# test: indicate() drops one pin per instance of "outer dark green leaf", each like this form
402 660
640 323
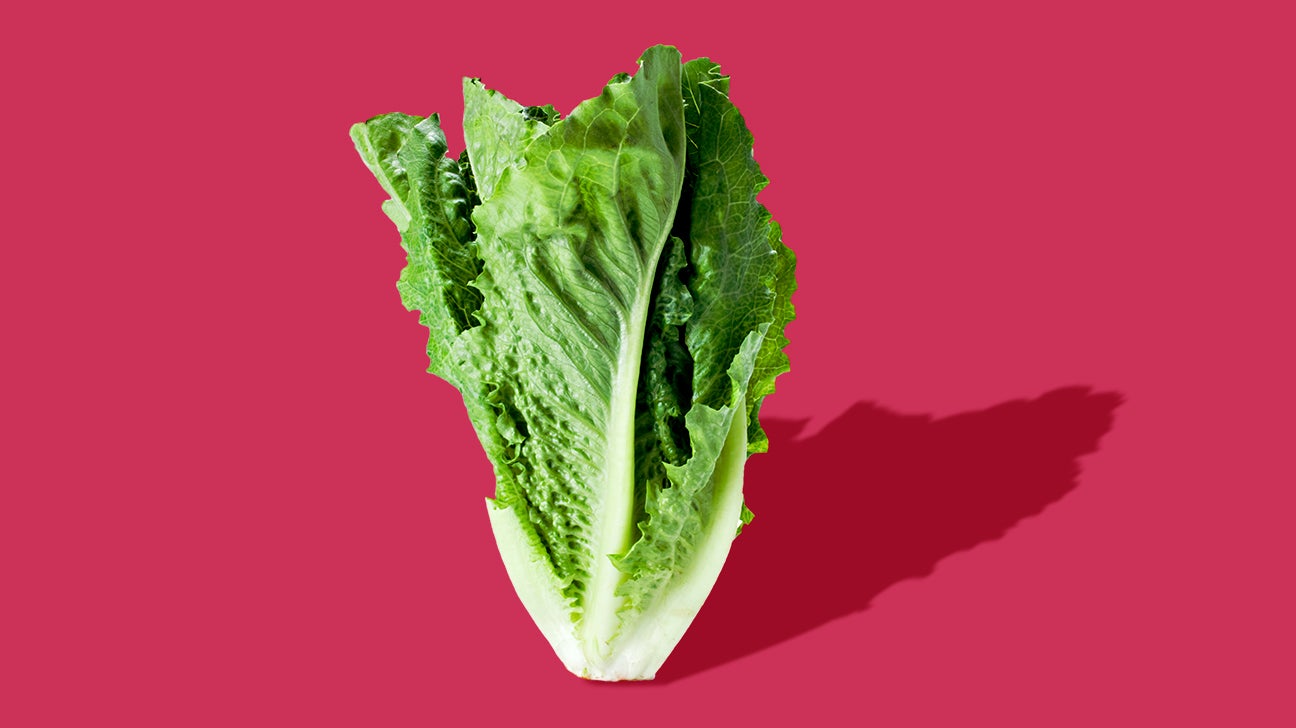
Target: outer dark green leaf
431 204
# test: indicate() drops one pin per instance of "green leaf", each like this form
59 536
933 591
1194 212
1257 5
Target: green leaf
571 239
431 205
691 516
497 132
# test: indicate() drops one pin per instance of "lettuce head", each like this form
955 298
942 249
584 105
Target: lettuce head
610 299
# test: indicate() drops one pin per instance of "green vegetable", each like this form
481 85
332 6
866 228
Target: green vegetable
610 299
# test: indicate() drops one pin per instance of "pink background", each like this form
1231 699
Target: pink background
1032 466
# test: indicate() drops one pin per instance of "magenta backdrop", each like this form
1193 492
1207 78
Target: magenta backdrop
1032 466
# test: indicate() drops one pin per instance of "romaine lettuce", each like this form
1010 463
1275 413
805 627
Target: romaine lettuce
610 299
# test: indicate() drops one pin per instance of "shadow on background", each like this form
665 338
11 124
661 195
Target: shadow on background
876 498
